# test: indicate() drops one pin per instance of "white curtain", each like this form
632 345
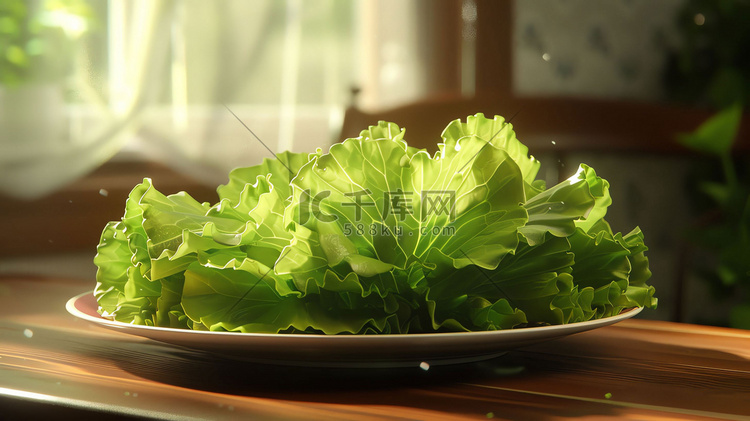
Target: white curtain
47 143
284 67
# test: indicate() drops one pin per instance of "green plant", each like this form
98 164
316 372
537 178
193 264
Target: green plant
725 228
376 237
38 38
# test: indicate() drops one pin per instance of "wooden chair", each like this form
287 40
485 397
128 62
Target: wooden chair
575 124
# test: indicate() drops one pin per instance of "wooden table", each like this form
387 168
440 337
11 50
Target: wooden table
54 365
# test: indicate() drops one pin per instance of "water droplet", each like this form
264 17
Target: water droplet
608 395
127 393
546 57
103 192
28 333
554 143
70 201
458 146
135 394
699 19
424 366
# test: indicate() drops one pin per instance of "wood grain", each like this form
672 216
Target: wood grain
653 370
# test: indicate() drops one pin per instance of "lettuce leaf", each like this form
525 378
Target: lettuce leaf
376 236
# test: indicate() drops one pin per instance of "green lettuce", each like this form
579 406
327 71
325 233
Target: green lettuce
376 236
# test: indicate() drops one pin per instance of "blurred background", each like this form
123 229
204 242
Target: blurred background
97 94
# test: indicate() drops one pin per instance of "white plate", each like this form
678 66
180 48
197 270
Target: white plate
346 350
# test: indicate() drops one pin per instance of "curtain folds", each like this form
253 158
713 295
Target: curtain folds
47 142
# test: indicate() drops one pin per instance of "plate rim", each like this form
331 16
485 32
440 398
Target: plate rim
577 327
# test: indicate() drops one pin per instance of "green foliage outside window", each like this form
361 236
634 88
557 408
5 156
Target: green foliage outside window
38 39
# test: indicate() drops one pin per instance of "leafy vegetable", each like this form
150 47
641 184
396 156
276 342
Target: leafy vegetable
376 236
